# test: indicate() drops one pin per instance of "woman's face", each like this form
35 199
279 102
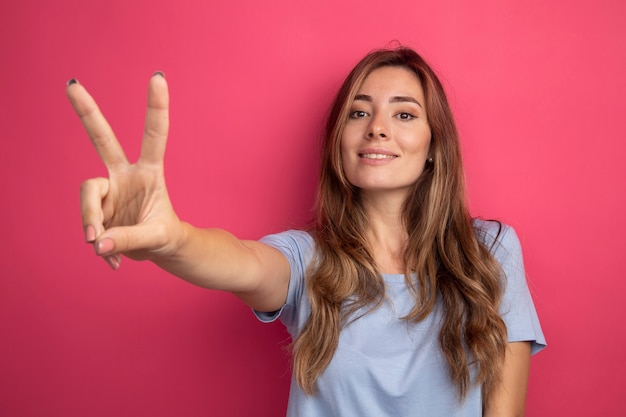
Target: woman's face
386 139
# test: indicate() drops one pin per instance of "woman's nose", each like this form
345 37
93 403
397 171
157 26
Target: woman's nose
377 129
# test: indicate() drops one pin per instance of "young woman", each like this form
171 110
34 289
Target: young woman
398 302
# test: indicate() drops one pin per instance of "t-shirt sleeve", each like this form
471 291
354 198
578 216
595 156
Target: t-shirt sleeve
517 307
297 246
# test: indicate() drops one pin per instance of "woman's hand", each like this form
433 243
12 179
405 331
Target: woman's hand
129 212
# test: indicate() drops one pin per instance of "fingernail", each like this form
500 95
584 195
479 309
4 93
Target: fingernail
113 261
90 234
104 246
72 81
159 73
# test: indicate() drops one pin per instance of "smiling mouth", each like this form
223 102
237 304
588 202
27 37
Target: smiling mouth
376 156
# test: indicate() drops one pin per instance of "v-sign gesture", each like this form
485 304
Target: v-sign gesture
130 212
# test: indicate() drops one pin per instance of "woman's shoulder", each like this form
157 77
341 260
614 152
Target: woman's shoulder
498 237
289 236
293 243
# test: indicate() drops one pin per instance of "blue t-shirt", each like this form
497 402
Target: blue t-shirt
384 365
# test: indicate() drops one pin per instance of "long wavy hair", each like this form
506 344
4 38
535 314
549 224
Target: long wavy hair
442 256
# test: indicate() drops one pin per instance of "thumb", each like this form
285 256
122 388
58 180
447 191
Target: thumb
125 239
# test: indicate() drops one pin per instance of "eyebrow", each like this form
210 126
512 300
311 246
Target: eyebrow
394 99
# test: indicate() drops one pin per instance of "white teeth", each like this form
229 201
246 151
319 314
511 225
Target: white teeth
376 156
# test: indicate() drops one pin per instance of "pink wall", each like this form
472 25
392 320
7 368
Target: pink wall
538 88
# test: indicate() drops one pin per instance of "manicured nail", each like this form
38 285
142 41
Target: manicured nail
160 73
113 261
104 246
90 234
72 81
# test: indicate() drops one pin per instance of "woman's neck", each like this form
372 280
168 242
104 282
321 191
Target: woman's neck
385 232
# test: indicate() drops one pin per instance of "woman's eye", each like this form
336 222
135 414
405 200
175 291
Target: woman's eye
357 114
405 116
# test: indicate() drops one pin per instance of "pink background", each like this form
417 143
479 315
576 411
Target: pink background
538 89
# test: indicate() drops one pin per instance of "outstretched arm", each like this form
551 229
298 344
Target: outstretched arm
130 213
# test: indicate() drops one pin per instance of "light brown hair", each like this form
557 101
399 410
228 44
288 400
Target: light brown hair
443 256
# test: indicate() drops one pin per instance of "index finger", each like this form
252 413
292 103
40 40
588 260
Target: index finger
95 124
